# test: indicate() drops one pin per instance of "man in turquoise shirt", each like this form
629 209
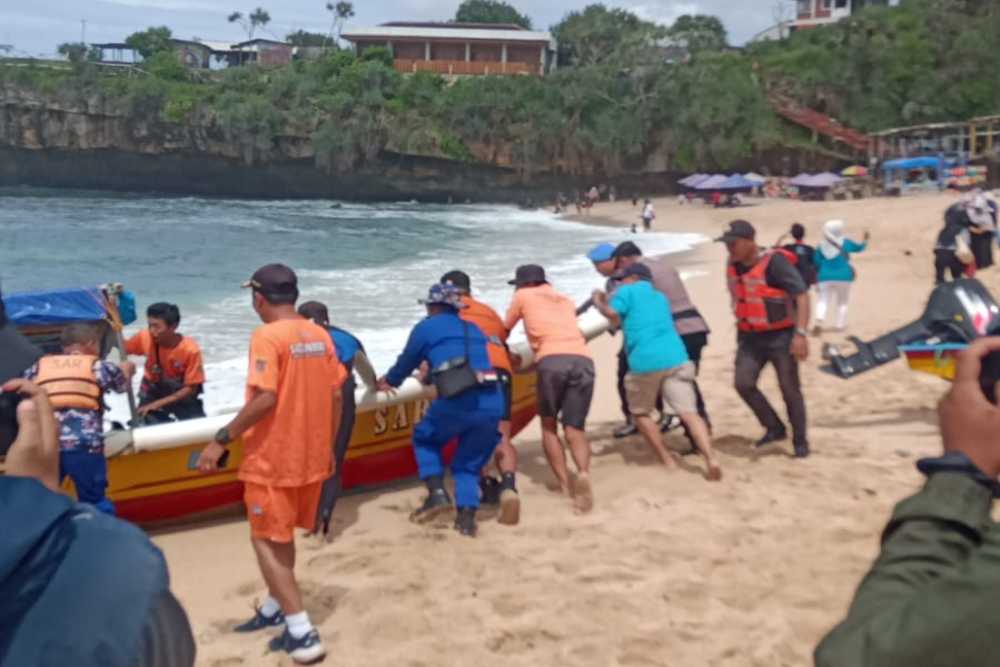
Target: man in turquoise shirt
658 362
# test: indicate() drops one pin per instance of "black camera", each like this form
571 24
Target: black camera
8 420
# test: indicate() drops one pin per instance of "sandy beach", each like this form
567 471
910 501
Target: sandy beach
669 569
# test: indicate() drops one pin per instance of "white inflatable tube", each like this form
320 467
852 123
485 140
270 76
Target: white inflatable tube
195 431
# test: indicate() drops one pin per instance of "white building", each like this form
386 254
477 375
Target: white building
812 13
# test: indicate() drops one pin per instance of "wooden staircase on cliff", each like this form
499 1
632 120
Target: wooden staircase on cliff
821 124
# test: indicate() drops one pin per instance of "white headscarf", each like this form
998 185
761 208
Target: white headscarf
833 239
978 210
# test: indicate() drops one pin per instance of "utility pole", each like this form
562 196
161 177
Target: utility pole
83 31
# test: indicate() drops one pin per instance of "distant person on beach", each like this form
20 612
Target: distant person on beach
835 274
287 425
593 195
983 229
952 250
79 587
804 253
76 382
351 354
929 598
648 215
174 374
565 376
659 367
468 407
493 491
771 304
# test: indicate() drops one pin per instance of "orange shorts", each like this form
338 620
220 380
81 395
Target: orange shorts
275 512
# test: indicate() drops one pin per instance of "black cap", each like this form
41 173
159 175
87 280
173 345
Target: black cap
638 270
459 279
738 229
527 274
274 279
627 249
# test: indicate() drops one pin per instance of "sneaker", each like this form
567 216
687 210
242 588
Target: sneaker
438 502
489 490
773 435
625 430
261 622
465 521
802 451
510 508
305 650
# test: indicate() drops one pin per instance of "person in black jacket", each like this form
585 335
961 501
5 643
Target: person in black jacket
803 253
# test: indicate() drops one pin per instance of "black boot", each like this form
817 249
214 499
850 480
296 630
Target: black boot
438 501
510 502
465 521
489 490
773 435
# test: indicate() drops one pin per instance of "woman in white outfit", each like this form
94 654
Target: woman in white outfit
835 274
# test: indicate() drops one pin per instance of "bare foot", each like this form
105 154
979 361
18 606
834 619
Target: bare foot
583 495
555 486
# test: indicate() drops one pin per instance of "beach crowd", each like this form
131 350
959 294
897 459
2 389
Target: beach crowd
299 411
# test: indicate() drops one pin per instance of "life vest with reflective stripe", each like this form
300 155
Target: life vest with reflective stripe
751 294
70 382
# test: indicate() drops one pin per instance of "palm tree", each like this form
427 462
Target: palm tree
258 18
341 12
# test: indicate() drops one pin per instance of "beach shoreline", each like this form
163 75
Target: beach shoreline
668 569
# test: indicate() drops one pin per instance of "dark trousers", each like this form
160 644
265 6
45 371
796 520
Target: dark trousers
333 486
754 352
945 261
89 473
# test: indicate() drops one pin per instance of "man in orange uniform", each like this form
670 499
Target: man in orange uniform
489 322
288 425
174 373
565 375
771 304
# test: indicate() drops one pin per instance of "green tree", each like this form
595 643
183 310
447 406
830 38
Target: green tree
378 54
490 11
165 65
258 18
78 52
599 35
150 41
342 12
699 33
304 38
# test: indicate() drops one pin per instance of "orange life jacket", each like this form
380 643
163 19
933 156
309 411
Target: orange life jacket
70 382
751 294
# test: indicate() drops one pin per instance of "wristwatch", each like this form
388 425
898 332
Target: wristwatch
959 463
222 436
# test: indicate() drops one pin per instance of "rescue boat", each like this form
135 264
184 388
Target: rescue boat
150 468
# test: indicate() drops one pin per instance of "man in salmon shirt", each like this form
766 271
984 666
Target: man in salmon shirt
565 375
174 374
288 425
489 322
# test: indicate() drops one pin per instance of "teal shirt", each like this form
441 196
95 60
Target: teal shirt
839 268
651 340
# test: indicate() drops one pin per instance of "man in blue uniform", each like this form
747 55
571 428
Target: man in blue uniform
352 355
469 405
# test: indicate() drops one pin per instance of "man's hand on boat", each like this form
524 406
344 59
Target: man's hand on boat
384 386
210 457
128 368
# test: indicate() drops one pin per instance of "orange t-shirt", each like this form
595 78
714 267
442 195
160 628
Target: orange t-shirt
181 362
549 321
291 446
491 325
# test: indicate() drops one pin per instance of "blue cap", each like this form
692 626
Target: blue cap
444 295
602 253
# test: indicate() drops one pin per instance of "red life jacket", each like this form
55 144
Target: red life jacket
751 294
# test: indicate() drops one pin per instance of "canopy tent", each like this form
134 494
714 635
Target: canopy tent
755 178
711 183
801 180
913 163
56 307
736 182
692 180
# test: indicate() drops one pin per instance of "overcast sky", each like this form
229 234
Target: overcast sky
36 27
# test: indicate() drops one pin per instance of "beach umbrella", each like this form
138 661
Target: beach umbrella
824 180
736 182
756 178
855 170
801 180
711 183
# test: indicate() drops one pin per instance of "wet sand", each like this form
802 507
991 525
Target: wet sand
669 569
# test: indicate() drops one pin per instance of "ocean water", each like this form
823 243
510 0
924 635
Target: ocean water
368 263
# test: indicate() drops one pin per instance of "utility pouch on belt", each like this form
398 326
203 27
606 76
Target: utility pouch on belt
455 376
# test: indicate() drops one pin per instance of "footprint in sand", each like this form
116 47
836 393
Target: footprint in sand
510 606
521 641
